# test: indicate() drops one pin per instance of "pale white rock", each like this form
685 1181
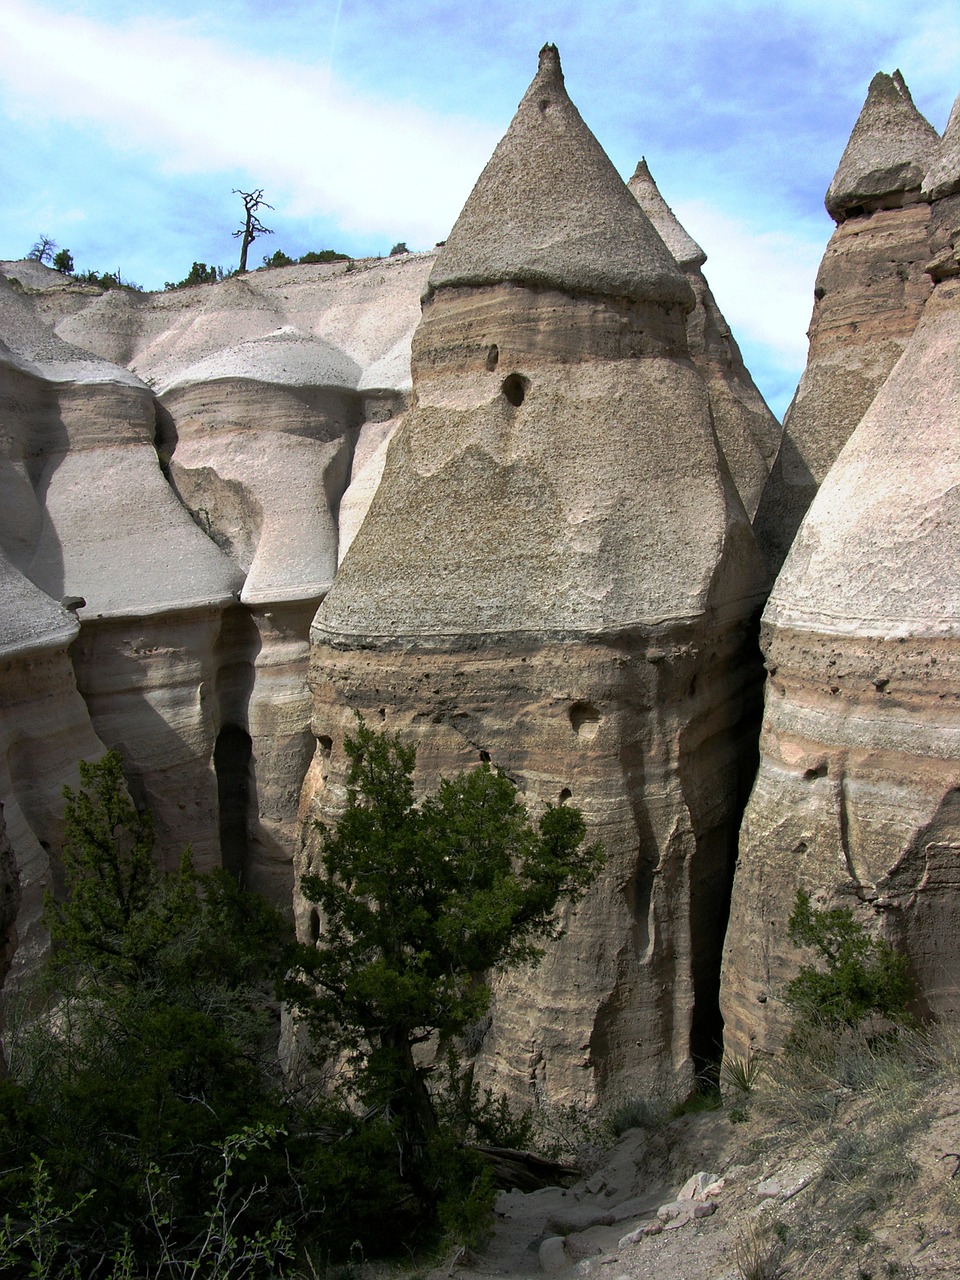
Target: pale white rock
553 1255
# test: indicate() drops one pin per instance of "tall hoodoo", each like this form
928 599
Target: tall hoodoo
556 574
869 294
888 155
858 796
747 431
857 800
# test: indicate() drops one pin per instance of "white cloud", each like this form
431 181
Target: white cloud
197 105
762 280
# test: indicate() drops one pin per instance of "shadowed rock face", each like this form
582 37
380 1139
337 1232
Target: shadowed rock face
858 796
869 295
747 431
556 574
45 730
265 384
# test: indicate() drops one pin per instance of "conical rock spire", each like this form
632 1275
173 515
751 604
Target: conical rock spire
550 209
890 150
943 176
681 244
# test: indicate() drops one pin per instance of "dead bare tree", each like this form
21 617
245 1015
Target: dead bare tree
252 227
43 250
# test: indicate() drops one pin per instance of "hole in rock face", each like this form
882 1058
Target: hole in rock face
585 719
493 356
565 795
515 389
819 772
314 925
325 743
485 757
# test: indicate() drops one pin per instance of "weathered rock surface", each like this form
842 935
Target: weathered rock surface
45 730
556 574
747 431
888 155
265 383
858 795
869 294
943 176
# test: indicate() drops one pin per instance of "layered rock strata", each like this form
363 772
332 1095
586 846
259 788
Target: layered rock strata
45 730
107 535
869 294
747 431
556 574
858 795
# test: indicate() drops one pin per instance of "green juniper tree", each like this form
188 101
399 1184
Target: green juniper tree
858 975
151 1046
419 903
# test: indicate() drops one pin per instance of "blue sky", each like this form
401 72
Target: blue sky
125 126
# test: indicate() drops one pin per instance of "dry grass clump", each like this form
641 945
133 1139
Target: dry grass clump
857 1101
759 1253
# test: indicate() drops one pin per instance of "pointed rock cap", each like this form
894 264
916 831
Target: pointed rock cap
549 209
683 247
891 148
943 176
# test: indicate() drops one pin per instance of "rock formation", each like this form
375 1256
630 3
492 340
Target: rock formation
556 574
44 731
747 431
192 652
870 291
858 795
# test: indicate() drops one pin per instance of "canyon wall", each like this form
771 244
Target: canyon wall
513 523
857 800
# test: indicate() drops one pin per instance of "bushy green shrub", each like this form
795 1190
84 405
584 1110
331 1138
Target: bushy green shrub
199 273
152 1047
277 259
323 255
858 976
63 261
419 901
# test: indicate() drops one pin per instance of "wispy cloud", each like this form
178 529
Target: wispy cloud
157 87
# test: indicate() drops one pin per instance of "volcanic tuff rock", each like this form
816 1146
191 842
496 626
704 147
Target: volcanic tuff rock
887 157
747 431
869 294
556 574
858 795
943 177
265 382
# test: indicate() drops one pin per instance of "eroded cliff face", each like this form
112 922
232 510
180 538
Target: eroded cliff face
556 574
193 574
